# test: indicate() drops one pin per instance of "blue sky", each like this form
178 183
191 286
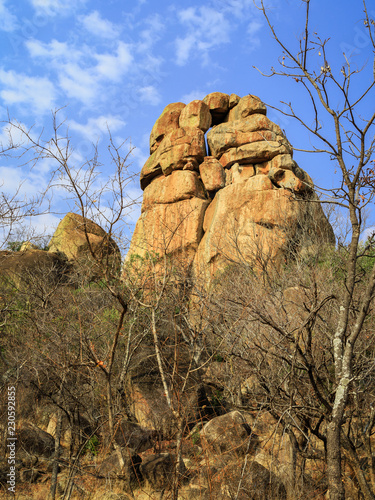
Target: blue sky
119 63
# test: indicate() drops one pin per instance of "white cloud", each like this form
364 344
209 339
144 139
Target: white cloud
252 32
149 95
57 7
206 28
98 26
8 21
151 34
237 8
78 83
83 73
95 128
37 93
194 94
55 51
45 224
112 67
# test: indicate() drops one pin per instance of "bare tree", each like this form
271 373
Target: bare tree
15 207
348 138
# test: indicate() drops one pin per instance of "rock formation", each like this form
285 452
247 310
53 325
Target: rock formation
70 238
68 252
78 238
238 200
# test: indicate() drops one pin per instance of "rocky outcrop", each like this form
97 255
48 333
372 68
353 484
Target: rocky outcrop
79 246
29 266
85 245
76 234
240 200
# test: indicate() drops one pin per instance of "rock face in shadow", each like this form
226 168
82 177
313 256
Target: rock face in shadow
244 198
27 265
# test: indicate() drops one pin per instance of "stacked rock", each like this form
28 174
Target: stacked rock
239 199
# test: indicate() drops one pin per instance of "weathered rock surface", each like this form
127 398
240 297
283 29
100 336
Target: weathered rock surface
74 236
30 265
242 202
196 115
180 185
130 472
174 229
212 174
166 123
229 433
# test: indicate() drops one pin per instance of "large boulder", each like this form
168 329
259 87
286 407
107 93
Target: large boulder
254 128
255 152
180 185
80 239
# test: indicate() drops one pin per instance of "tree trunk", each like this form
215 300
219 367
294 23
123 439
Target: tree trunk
55 468
335 484
179 465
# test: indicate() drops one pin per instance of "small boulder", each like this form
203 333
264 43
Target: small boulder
218 102
179 149
130 472
34 441
229 433
234 99
287 180
212 174
246 106
158 470
131 435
